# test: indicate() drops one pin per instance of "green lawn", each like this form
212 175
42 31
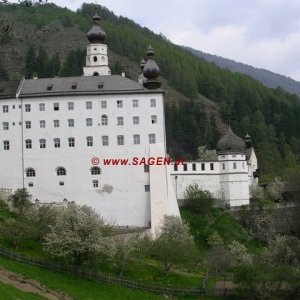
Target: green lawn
8 292
77 287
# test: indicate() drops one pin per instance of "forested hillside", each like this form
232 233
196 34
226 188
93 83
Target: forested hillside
50 41
266 77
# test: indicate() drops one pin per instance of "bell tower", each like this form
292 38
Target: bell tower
96 58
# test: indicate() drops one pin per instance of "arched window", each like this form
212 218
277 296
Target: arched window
95 171
30 172
60 171
96 74
95 58
104 120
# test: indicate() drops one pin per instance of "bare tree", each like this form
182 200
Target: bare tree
5 25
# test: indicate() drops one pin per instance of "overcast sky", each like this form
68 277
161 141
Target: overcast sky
262 33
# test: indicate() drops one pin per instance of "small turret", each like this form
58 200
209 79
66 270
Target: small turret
141 76
151 71
248 141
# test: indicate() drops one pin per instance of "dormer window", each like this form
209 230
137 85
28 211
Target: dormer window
100 85
74 86
49 87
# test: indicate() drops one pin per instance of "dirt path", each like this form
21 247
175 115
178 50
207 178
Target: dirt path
30 285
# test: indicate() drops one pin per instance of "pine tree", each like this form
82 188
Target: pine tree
30 63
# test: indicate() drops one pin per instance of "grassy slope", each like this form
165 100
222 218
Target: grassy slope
142 270
8 292
218 221
79 289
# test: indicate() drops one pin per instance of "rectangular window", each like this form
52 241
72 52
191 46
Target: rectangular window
42 123
27 124
56 106
203 167
120 121
70 105
136 120
104 120
135 103
89 122
105 140
194 167
153 119
6 145
71 142
185 167
146 168
147 188
234 165
119 103
71 122
5 125
88 104
5 108
28 144
27 107
152 138
89 141
42 106
211 166
223 166
136 139
175 167
56 123
103 104
152 102
120 140
95 183
56 143
42 143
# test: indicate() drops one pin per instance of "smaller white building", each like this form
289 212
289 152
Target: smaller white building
228 178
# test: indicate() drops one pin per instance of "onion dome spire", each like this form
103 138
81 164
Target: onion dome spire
230 143
96 35
141 77
248 141
142 65
151 71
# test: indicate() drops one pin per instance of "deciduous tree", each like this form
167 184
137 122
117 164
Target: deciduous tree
76 235
173 244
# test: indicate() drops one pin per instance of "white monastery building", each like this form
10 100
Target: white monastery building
56 132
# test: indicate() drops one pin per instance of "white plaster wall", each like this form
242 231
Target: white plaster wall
228 183
121 193
234 179
206 179
252 166
101 65
11 160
